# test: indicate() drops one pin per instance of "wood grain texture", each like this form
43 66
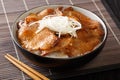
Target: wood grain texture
108 58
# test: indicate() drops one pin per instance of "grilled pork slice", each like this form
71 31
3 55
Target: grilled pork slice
36 41
31 18
62 43
26 34
45 12
45 39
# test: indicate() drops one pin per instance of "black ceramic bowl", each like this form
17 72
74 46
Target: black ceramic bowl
58 62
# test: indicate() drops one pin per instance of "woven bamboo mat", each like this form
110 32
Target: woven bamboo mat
108 58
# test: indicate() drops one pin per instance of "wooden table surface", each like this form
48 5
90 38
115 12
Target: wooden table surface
108 58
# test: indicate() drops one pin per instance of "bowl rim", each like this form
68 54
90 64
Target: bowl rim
46 6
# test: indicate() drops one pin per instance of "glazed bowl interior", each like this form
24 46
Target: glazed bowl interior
38 9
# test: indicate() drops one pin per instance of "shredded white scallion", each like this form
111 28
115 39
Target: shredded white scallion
59 24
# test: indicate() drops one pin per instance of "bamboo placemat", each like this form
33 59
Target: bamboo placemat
108 58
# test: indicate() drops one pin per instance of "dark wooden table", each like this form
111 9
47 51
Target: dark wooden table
108 58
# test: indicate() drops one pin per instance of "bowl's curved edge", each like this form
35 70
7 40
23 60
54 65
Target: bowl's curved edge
47 61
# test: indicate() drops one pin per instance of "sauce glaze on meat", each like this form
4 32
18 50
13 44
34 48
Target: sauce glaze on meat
48 43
